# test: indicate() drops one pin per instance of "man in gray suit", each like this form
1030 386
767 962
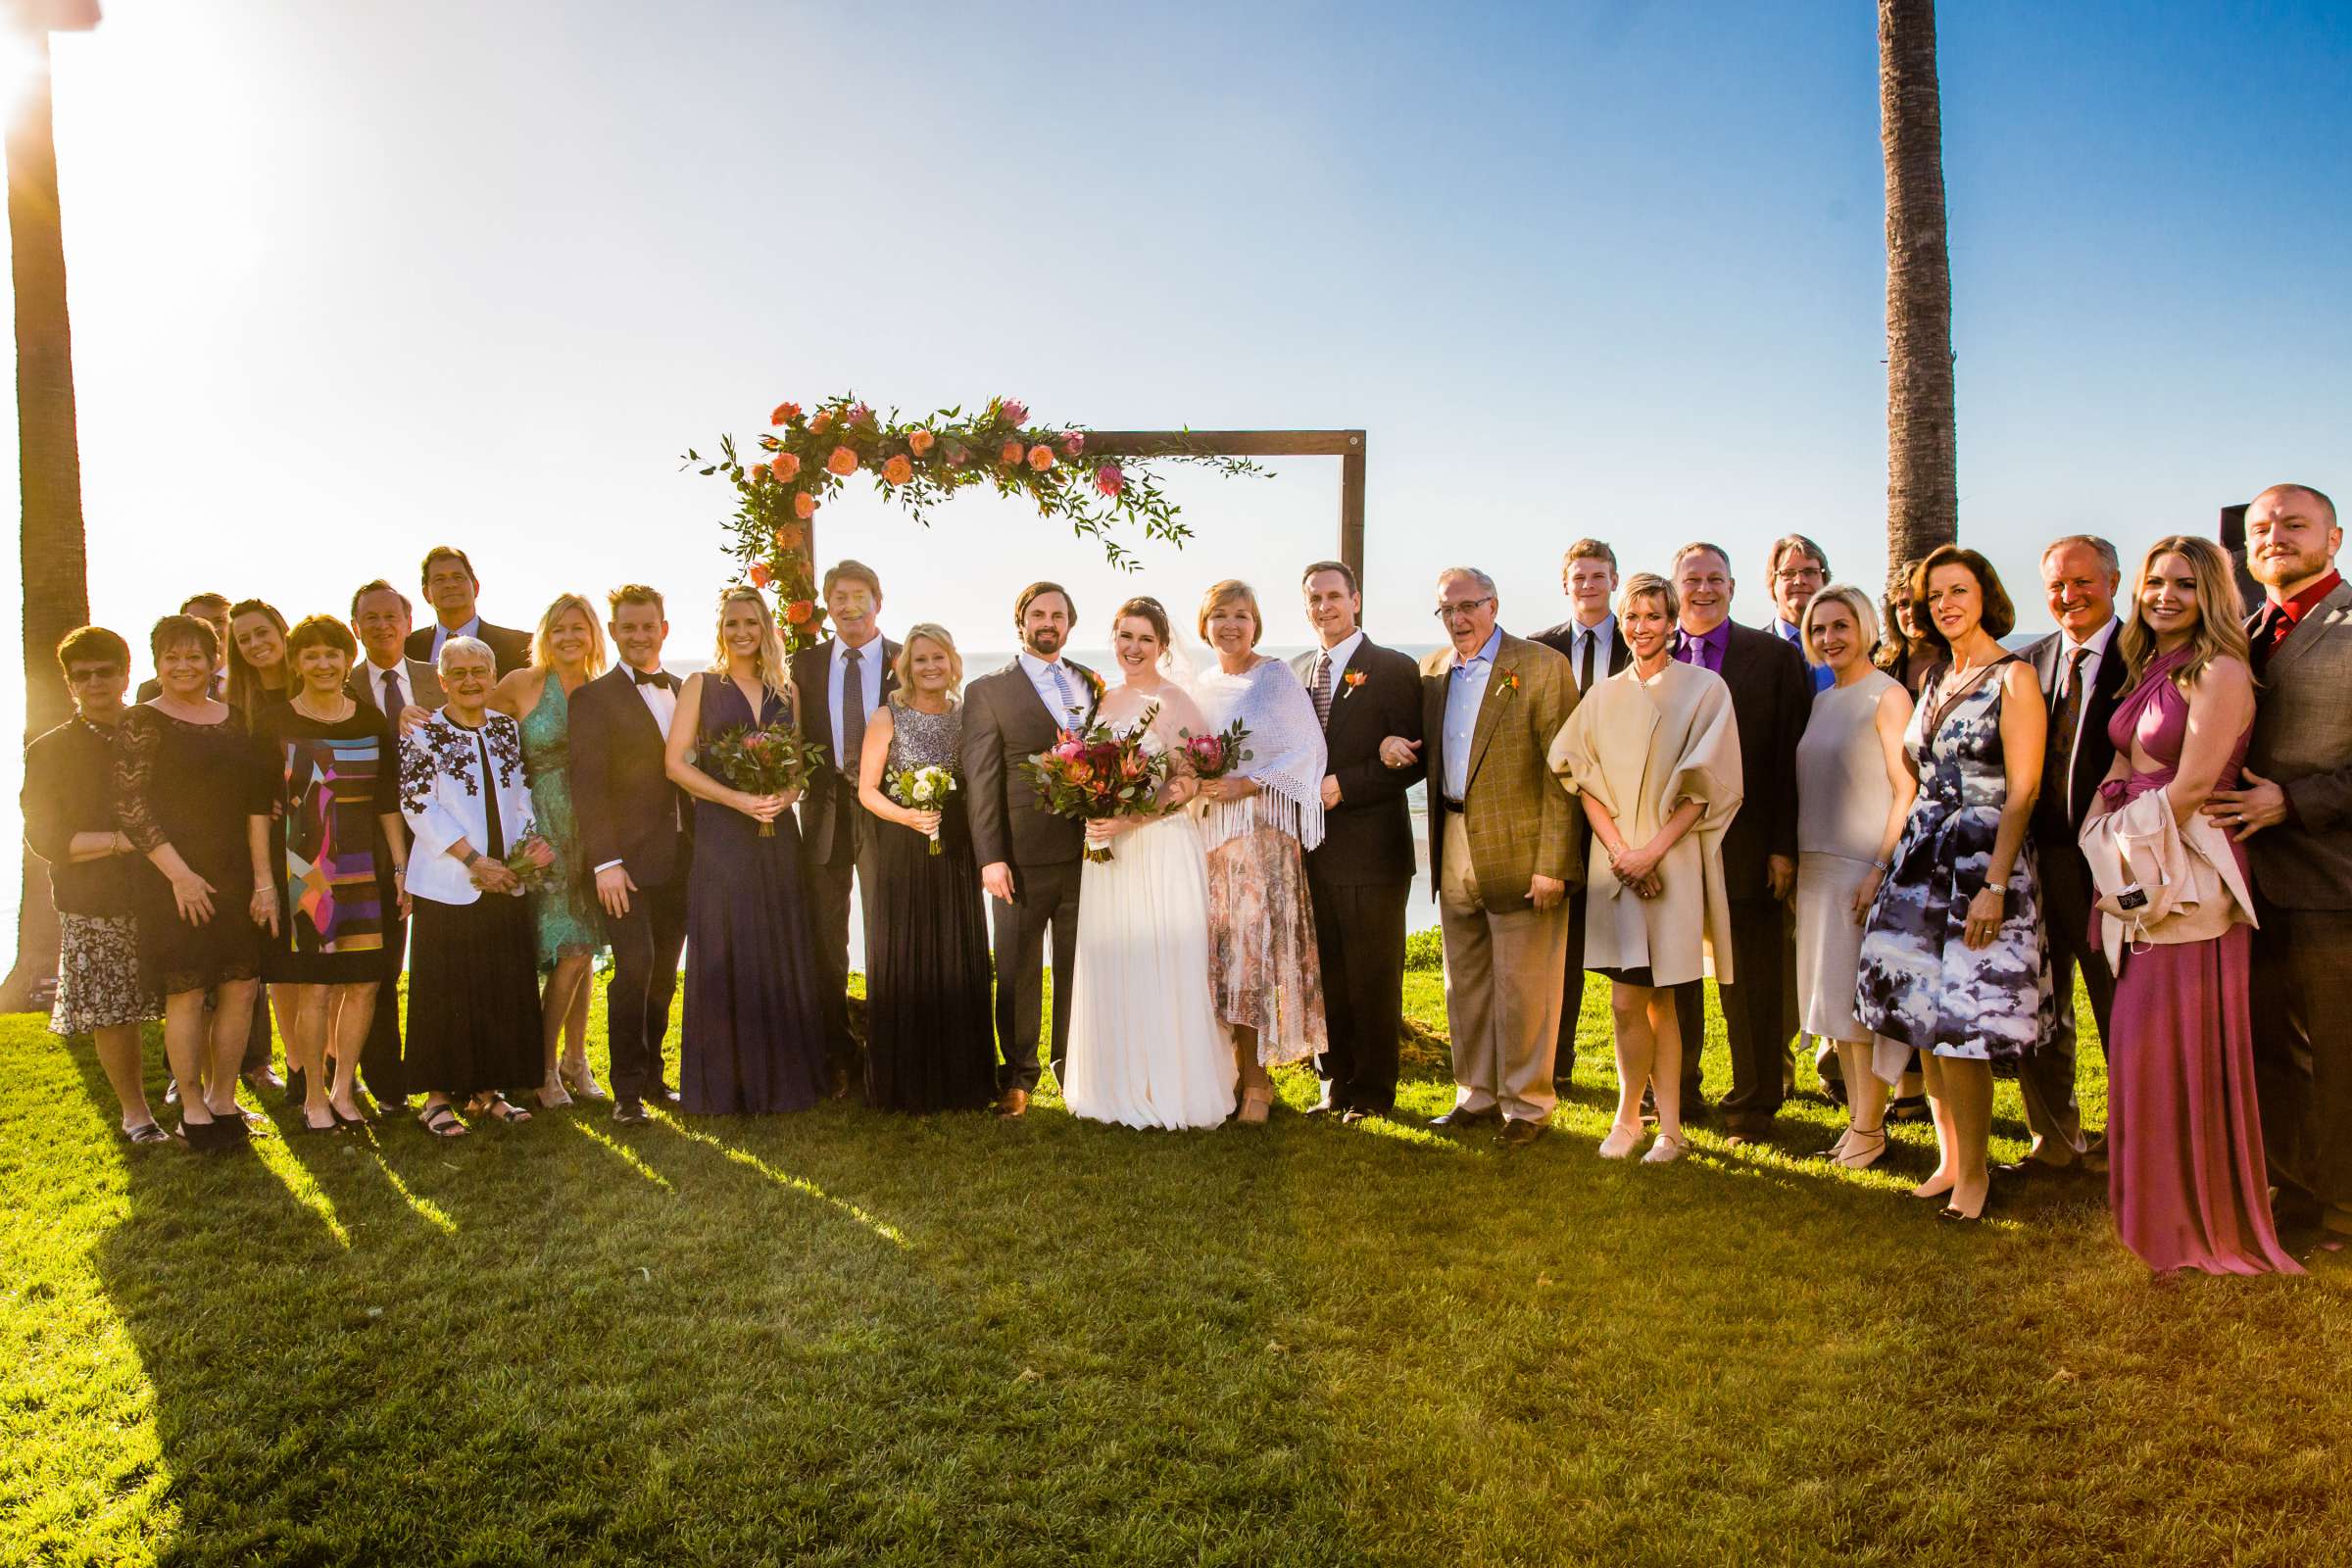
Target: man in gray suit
394 685
2293 810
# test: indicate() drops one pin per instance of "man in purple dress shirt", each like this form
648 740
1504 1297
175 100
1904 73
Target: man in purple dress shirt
1772 697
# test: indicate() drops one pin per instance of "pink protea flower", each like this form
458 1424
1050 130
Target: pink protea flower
1015 412
1073 442
1111 480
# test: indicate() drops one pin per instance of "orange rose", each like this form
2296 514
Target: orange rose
819 424
755 474
919 441
1041 457
758 574
1011 454
799 612
785 414
803 506
786 468
791 536
897 471
843 462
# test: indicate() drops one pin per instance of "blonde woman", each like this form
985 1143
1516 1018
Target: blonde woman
755 1036
1257 823
930 1038
567 652
1654 754
1853 790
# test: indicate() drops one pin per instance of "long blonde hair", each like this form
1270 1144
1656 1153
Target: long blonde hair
543 652
774 669
2221 612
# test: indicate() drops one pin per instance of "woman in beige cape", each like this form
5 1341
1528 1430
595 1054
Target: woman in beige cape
1654 752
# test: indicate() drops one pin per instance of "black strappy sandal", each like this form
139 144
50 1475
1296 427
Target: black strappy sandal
442 1121
497 1107
146 1133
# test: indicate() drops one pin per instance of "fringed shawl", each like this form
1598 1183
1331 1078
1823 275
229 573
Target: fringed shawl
1286 752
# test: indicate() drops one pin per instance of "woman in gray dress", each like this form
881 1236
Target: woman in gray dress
931 1039
1854 789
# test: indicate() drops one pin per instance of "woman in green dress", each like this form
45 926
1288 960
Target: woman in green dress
567 651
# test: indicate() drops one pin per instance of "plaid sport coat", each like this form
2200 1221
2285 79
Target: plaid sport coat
1519 820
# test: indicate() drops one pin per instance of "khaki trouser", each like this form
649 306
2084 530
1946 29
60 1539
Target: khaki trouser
1503 990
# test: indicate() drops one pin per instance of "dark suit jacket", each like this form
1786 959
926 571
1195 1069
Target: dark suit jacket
509 650
1005 724
830 808
423 681
622 795
2303 743
1772 697
1561 640
1368 837
2057 822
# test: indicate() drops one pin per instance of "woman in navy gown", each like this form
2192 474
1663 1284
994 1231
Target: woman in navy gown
755 1036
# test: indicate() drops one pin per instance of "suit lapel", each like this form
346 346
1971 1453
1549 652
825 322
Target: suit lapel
2297 641
1490 706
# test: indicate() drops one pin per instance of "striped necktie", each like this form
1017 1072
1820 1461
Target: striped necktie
1323 688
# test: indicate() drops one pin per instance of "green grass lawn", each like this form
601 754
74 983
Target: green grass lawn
859 1339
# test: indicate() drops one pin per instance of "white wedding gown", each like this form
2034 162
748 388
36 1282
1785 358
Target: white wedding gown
1145 1046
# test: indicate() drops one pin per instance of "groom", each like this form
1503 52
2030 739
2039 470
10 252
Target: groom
1029 859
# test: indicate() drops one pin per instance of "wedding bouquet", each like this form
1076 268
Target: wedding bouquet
923 789
1098 774
762 761
1215 756
533 859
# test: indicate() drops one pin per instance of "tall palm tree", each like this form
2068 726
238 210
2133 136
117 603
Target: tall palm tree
56 595
1923 499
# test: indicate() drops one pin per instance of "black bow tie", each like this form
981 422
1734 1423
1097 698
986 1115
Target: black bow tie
650 677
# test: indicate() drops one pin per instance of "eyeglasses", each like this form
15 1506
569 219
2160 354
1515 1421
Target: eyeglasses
1461 606
80 673
1797 574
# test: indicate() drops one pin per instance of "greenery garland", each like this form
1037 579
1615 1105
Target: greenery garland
805 456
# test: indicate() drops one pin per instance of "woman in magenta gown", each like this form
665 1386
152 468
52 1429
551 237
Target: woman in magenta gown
2184 1170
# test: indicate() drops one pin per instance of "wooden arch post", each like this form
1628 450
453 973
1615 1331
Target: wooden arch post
1345 445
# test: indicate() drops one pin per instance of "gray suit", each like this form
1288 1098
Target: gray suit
2303 894
423 681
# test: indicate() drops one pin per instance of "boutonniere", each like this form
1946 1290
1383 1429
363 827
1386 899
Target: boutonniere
1355 678
1508 680
1093 683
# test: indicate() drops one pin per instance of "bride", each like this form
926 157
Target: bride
1146 1048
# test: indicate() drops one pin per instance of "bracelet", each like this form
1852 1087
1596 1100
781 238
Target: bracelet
1881 864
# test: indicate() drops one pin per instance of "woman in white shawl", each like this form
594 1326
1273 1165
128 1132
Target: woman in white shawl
1257 822
1654 751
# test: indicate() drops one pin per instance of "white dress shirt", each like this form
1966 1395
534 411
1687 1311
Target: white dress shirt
442 634
662 700
1339 653
2097 645
1465 689
1598 639
373 679
869 688
1067 708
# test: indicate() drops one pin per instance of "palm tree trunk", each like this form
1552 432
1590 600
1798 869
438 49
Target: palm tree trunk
1923 501
49 458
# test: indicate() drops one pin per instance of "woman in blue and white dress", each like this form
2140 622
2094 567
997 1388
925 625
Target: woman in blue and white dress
1954 960
474 994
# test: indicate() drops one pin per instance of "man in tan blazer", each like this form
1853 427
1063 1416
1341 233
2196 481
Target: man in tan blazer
1504 854
2293 809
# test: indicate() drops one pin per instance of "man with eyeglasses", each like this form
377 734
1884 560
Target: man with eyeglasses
1772 700
1800 570
1502 854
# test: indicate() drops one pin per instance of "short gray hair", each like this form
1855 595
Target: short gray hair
2090 542
1472 572
465 645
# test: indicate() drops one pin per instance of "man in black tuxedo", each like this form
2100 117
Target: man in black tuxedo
452 589
1029 859
1594 648
213 611
1361 878
2081 673
840 681
394 685
1772 696
633 832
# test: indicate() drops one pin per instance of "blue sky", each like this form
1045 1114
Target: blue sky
348 280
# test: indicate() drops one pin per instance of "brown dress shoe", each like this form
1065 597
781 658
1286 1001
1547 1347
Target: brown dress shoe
1014 1104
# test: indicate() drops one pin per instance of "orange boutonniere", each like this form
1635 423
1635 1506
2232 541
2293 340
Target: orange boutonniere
1356 677
1508 680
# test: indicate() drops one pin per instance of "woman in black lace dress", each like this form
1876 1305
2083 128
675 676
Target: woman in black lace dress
185 781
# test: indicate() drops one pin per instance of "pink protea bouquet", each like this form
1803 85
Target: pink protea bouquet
1098 774
1216 754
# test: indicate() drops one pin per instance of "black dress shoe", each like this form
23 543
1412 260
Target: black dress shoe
629 1112
2029 1169
1519 1134
664 1095
1461 1116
